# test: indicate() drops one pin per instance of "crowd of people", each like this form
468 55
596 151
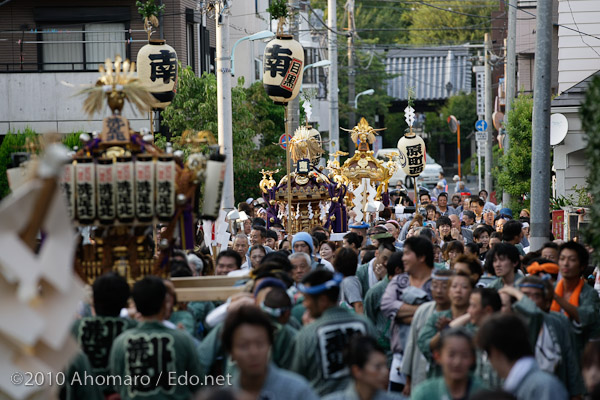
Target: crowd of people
446 302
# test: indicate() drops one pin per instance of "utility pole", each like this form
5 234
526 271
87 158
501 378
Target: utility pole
225 129
293 107
351 73
540 145
510 76
488 114
334 120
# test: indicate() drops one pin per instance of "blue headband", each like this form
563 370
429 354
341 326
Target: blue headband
273 312
532 285
337 279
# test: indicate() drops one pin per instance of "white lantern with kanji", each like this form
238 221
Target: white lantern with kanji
412 154
157 71
283 65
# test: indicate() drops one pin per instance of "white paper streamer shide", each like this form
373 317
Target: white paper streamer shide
33 320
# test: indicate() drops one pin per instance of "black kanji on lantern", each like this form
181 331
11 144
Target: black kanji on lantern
412 151
163 66
277 60
164 203
151 356
124 199
68 191
418 160
106 206
415 170
144 199
85 207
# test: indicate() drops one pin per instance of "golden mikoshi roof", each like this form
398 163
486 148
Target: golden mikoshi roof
363 164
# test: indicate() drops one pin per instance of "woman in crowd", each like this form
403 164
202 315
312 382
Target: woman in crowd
327 251
452 250
481 236
257 253
456 356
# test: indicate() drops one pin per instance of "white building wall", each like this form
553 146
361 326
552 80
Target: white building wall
569 157
246 18
578 55
46 102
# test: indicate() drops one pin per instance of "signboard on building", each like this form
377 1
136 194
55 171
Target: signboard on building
558 224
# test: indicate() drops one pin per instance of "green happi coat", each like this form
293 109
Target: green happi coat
95 336
186 319
498 283
428 332
567 370
160 353
77 385
319 346
589 321
211 349
199 310
372 307
362 273
414 364
435 388
350 393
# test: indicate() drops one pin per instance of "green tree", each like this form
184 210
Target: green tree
590 117
450 22
195 107
13 142
369 74
463 107
513 171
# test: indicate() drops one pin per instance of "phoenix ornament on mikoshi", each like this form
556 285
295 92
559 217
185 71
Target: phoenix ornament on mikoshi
368 177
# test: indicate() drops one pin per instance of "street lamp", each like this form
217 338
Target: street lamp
367 92
322 63
257 36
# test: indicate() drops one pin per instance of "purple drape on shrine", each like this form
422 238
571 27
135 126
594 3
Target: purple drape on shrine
271 209
337 209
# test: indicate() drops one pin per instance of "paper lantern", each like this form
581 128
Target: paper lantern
157 70
412 154
283 69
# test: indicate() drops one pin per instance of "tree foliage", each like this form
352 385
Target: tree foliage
463 107
450 22
257 123
590 117
369 74
195 107
513 172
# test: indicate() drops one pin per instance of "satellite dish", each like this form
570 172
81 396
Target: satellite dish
559 126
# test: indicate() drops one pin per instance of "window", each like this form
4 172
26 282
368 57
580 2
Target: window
191 54
81 47
258 69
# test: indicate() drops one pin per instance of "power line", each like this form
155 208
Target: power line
576 26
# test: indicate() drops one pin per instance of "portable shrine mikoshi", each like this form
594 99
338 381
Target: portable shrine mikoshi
366 176
313 198
122 184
